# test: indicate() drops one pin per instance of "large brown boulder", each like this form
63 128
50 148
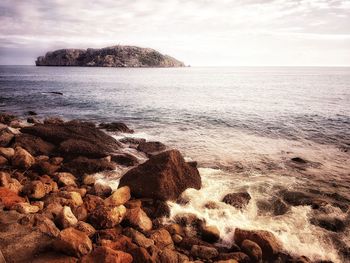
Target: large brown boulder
164 176
34 145
107 217
82 165
75 138
268 243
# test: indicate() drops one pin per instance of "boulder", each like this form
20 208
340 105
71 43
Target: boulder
209 234
204 252
275 205
66 218
297 198
237 200
73 242
75 138
119 197
132 141
88 229
105 254
22 158
125 159
137 218
6 136
82 165
65 179
333 224
162 239
25 208
34 145
116 127
106 217
164 176
8 153
9 198
168 256
156 208
252 249
151 147
268 243
45 225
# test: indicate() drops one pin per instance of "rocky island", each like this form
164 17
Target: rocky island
115 56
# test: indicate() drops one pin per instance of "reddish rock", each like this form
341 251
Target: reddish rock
35 189
106 217
9 198
8 153
102 190
46 167
137 218
22 158
164 176
6 136
138 238
125 159
107 255
210 234
25 208
252 249
108 234
204 252
66 218
237 256
91 202
119 197
86 228
53 257
162 239
3 161
6 118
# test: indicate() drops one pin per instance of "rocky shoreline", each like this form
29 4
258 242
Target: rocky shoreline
53 208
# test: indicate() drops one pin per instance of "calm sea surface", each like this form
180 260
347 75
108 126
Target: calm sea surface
243 126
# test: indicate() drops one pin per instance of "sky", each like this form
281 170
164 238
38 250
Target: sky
198 32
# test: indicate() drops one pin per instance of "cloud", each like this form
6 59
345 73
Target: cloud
200 32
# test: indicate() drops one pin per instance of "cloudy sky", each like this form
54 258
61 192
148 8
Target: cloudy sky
199 32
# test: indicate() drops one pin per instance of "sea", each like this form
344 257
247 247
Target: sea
264 130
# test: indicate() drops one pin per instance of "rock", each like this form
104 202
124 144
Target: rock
237 200
73 242
80 212
33 120
65 179
164 176
22 158
151 147
298 160
114 56
47 168
56 160
106 217
102 189
211 205
8 153
268 243
6 118
330 223
188 219
138 238
89 179
119 197
71 199
168 256
71 188
236 256
45 225
132 140
156 208
204 252
296 198
53 120
6 136
162 239
82 166
34 145
125 159
3 161
134 203
210 234
25 208
175 229
105 254
35 189
33 113
252 249
52 210
188 242
75 138
9 198
113 234
91 202
88 229
275 205
137 218
176 238
66 218
53 257
116 127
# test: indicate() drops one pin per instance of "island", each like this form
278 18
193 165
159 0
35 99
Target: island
115 56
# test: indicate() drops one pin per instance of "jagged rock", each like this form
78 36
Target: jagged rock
162 239
116 127
151 147
66 218
45 225
168 256
137 218
65 179
237 200
105 254
22 158
204 252
33 144
33 120
175 229
115 56
86 228
106 217
188 242
119 197
275 205
296 198
56 160
164 176
8 153
73 242
25 208
268 243
132 141
89 179
156 208
176 238
252 249
80 212
134 203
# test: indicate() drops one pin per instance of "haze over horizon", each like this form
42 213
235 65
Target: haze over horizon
198 32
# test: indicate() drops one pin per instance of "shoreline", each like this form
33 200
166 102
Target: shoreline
47 190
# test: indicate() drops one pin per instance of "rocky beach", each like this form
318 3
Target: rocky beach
71 192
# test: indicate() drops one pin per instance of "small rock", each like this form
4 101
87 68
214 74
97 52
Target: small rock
107 217
125 159
47 168
204 252
65 179
22 158
137 218
162 239
116 127
53 120
236 256
8 153
25 208
35 189
102 190
151 147
91 202
252 249
237 200
73 242
66 218
211 205
135 203
176 238
210 234
88 229
56 160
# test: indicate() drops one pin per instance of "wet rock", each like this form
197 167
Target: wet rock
119 197
162 239
105 254
330 223
188 219
89 179
275 205
6 118
296 198
188 242
125 159
151 147
134 203
9 198
138 238
25 208
209 234
33 120
8 153
88 229
156 208
82 166
236 256
211 205
73 242
102 190
75 138
268 243
32 113
176 238
53 120
175 229
22 158
237 200
132 140
252 250
66 218
137 218
65 179
106 217
204 252
164 176
34 145
6 136
116 127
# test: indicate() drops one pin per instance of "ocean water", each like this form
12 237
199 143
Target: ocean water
242 125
